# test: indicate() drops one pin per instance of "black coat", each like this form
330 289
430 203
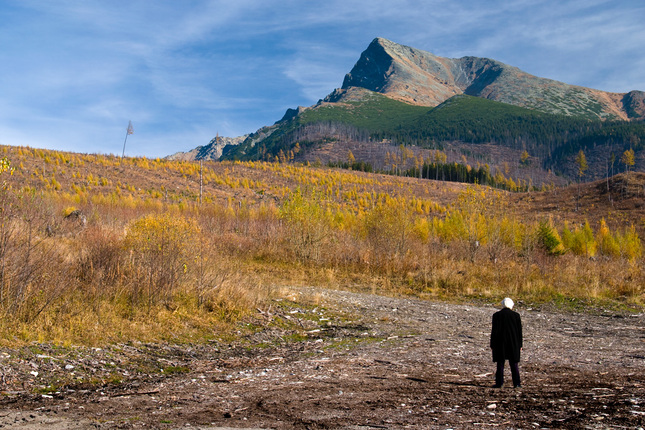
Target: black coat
506 335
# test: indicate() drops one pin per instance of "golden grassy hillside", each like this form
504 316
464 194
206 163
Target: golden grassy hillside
97 248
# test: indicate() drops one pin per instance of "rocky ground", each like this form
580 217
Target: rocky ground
342 361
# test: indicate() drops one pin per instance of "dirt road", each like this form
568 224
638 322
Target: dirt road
354 361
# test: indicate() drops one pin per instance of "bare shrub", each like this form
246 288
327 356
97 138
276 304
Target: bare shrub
160 252
308 226
388 230
99 265
29 261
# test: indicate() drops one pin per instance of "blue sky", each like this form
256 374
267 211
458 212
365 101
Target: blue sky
74 72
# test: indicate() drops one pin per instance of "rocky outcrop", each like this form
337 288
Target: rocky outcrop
349 94
292 113
212 151
634 104
403 73
419 77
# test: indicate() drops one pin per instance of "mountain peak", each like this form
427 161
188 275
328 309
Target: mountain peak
401 72
422 78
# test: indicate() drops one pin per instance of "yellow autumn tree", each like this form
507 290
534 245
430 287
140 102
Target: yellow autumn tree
161 248
628 159
307 222
630 244
350 158
583 241
606 241
388 228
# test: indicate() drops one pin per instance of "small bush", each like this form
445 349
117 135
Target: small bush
550 239
161 252
583 241
630 244
308 224
606 241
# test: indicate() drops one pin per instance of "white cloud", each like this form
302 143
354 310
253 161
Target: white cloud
318 68
73 72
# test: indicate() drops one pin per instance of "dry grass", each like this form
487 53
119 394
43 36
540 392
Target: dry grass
146 261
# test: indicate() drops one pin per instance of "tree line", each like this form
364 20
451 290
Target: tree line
552 138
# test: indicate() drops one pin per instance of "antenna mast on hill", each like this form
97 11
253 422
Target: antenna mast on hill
128 132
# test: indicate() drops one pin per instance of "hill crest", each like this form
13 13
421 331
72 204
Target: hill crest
418 77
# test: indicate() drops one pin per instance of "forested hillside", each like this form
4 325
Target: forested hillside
552 140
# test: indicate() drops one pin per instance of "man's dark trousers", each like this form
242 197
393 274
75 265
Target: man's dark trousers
515 372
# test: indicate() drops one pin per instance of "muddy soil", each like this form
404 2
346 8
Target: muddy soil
349 361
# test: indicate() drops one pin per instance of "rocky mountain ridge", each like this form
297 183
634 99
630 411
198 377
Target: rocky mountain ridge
421 78
417 78
212 151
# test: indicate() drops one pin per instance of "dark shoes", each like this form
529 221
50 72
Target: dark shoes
497 386
517 386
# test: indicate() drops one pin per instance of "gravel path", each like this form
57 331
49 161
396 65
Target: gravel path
356 361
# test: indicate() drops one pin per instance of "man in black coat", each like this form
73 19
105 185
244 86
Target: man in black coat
506 342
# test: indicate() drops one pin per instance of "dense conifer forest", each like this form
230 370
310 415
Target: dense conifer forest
552 139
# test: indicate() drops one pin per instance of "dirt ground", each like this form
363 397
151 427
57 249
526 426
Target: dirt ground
353 361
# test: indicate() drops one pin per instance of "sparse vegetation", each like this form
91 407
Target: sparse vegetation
142 259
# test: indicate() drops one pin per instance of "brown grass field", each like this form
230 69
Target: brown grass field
96 248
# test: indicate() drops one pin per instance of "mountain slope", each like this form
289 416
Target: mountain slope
212 151
372 116
478 112
419 77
